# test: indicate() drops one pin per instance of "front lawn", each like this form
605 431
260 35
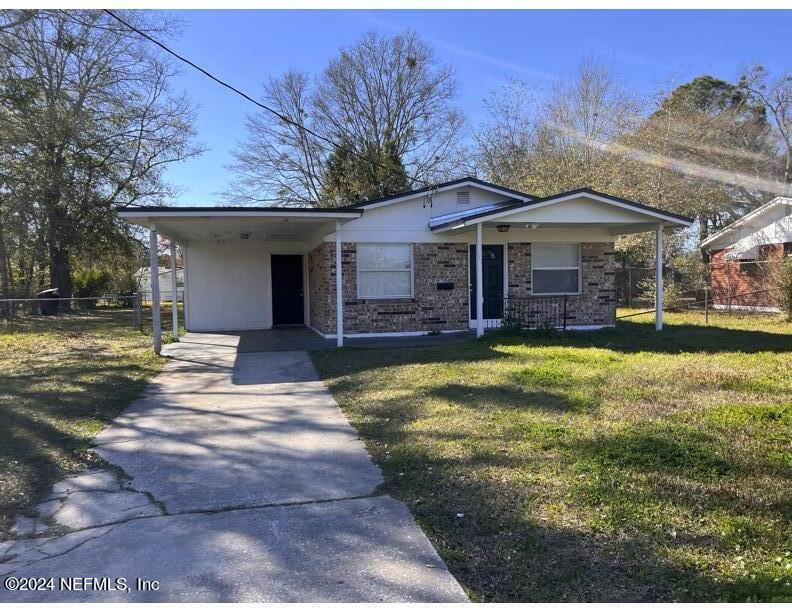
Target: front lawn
612 465
61 380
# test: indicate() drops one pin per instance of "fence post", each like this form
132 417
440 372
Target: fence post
138 306
629 287
706 307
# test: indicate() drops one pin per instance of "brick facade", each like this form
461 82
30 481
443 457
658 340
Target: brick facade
596 304
433 309
731 277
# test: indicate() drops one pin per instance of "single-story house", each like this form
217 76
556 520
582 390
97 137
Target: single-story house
745 257
143 278
405 264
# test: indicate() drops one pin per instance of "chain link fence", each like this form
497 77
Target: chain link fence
14 309
725 310
695 290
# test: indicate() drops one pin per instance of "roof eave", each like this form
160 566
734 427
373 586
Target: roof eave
663 216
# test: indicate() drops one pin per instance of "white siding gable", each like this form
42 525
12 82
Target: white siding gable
774 226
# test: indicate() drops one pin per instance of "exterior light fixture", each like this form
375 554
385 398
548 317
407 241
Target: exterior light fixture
504 228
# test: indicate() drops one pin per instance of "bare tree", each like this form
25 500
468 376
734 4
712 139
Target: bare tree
506 143
280 163
11 18
545 142
89 122
381 94
776 97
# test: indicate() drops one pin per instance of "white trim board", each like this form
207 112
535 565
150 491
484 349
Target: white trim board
388 334
567 328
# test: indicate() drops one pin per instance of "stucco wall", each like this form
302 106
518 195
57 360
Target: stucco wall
228 286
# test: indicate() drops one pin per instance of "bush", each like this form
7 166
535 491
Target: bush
90 283
673 293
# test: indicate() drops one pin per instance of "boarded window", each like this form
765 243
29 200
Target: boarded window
384 270
555 269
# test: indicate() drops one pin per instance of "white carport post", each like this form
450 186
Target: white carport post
155 293
659 278
339 289
174 287
479 283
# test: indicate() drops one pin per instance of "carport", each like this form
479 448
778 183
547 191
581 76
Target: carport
245 268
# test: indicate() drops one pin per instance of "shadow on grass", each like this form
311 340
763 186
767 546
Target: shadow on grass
631 337
48 415
502 550
623 487
494 542
516 397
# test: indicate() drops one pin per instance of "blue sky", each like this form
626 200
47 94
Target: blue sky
646 47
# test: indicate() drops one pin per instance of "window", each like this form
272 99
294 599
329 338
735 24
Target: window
463 199
555 269
384 270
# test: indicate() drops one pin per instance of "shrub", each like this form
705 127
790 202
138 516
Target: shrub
90 283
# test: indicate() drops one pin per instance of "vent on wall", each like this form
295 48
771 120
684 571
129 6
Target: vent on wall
463 198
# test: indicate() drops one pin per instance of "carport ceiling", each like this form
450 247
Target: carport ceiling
223 228
281 225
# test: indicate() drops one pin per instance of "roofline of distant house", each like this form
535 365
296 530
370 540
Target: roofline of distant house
747 216
565 194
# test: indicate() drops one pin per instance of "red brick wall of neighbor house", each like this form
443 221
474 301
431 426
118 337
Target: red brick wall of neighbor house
729 277
442 310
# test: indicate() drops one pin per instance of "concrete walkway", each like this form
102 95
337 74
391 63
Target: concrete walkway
238 479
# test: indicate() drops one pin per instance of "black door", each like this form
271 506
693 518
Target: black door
287 290
492 271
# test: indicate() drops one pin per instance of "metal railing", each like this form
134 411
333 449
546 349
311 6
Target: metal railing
526 313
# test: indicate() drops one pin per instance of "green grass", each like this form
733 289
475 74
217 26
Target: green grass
61 380
612 465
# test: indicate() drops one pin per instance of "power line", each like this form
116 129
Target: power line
280 116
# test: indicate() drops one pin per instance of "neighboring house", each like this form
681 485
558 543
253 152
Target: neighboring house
143 277
406 264
745 257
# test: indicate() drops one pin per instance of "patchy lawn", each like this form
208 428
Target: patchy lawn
61 380
612 465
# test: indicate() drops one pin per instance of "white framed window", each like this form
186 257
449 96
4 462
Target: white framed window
384 270
555 269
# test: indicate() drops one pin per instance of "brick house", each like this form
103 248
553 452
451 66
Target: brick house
407 264
745 257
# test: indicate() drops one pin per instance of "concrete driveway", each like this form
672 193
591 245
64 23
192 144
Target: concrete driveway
236 478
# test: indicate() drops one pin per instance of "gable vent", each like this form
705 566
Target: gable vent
463 198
